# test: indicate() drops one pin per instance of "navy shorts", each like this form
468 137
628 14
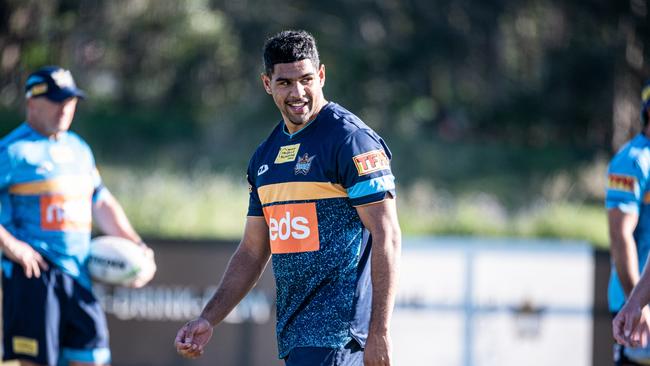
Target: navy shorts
350 355
52 319
624 356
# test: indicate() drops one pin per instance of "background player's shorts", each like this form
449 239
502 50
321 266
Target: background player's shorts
350 355
624 356
51 319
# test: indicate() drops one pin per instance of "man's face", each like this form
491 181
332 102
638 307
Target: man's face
297 90
50 118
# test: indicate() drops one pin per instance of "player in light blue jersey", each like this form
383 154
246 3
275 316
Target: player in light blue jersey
322 207
50 192
628 208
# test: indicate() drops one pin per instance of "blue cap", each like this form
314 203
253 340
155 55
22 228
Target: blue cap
54 83
645 102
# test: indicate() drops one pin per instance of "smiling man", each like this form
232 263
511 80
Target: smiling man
322 205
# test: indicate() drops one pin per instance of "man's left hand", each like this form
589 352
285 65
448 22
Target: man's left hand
630 326
149 270
377 351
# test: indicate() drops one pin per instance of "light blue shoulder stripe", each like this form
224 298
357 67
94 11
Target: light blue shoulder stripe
96 356
375 185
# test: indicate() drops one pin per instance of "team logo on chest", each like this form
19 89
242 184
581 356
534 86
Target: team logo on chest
304 164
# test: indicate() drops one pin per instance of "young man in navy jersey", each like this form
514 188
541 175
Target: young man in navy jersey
322 206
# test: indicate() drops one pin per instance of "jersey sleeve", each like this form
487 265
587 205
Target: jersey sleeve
5 168
254 203
626 183
99 189
100 192
5 180
364 168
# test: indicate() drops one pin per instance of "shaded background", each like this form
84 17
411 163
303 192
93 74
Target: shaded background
501 114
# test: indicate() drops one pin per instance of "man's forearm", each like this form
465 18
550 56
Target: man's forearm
5 237
242 273
385 276
641 294
112 220
623 249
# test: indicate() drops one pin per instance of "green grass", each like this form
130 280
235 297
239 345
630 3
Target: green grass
552 220
162 203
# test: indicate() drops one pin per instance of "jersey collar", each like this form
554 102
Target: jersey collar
307 126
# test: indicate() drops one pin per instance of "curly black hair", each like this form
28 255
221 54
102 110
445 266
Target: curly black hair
289 46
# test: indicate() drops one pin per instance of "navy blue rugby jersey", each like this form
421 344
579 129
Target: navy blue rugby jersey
306 185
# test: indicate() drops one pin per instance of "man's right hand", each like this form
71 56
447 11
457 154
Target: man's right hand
630 327
192 337
23 254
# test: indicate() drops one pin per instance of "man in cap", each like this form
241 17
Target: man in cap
50 191
628 211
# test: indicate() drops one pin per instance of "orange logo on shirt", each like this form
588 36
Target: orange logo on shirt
621 182
372 161
293 228
66 212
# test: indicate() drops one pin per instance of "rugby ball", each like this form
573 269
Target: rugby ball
117 261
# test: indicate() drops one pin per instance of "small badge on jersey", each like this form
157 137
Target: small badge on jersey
371 161
303 165
263 169
25 346
620 182
61 154
287 154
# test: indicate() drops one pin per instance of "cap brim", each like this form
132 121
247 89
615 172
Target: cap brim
63 94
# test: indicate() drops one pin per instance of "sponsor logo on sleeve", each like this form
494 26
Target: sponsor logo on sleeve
619 182
303 165
61 212
293 228
372 161
287 154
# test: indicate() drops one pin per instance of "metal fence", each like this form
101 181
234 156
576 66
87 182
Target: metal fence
462 301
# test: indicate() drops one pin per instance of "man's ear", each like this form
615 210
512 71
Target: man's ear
266 82
321 74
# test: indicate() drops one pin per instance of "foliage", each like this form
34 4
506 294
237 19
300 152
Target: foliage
496 97
161 203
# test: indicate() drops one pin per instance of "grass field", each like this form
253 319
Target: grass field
162 203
